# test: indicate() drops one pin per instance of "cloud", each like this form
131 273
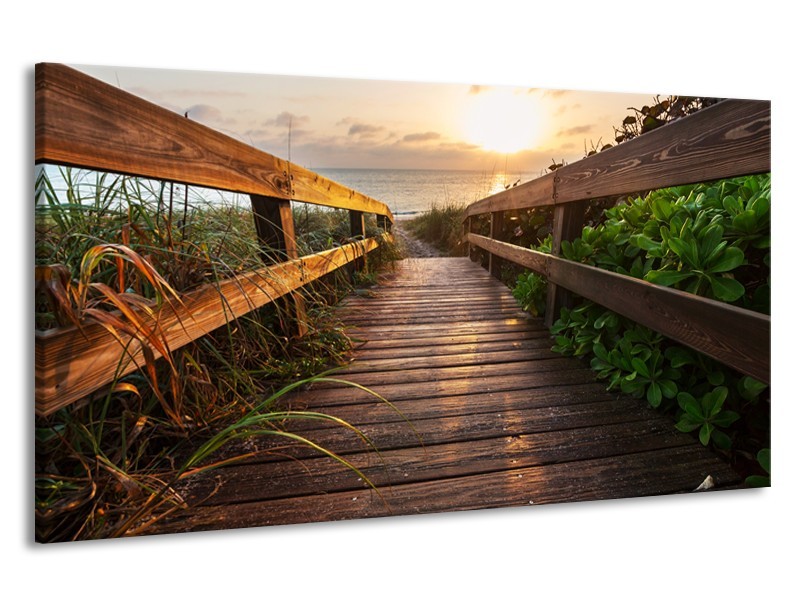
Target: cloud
575 130
364 129
205 113
564 108
548 93
459 146
422 137
286 118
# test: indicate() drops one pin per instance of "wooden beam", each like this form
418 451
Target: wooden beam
384 223
357 232
538 192
567 225
86 123
735 336
728 139
71 363
496 230
274 222
535 261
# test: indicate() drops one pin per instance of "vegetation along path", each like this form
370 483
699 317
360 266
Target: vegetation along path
483 415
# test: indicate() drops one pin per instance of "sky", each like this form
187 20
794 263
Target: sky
361 123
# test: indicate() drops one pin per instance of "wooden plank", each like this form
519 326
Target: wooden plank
357 232
496 231
549 364
357 317
394 435
538 192
535 261
274 223
516 342
727 139
431 361
451 381
466 436
736 337
567 225
413 302
491 403
392 333
379 347
281 479
656 472
71 363
83 122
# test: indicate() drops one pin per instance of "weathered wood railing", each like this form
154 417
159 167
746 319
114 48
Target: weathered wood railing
728 139
82 122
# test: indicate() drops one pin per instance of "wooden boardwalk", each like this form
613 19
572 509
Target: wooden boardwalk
495 419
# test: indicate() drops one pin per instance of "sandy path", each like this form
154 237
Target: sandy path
410 245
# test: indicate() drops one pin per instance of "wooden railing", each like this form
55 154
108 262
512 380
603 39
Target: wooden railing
728 139
82 122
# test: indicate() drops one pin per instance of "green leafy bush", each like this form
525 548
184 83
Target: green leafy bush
710 239
530 292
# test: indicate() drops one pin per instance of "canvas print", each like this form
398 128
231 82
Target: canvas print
270 300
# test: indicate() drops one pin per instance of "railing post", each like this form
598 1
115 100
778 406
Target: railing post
567 225
496 230
464 232
469 226
275 229
384 224
357 232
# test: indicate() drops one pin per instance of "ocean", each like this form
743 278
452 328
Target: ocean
407 192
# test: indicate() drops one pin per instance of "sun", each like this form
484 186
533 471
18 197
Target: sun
502 120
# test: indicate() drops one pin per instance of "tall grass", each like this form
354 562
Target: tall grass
440 226
110 247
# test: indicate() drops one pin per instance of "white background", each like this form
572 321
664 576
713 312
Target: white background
737 544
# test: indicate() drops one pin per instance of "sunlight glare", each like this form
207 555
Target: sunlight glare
502 120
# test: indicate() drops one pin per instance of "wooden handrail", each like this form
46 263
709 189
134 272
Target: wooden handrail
71 363
728 139
713 328
83 122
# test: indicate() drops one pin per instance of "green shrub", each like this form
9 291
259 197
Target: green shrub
711 239
441 226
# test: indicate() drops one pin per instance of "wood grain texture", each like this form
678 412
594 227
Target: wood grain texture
567 225
537 192
632 475
535 261
727 139
282 479
274 221
526 430
735 336
71 363
497 228
83 122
